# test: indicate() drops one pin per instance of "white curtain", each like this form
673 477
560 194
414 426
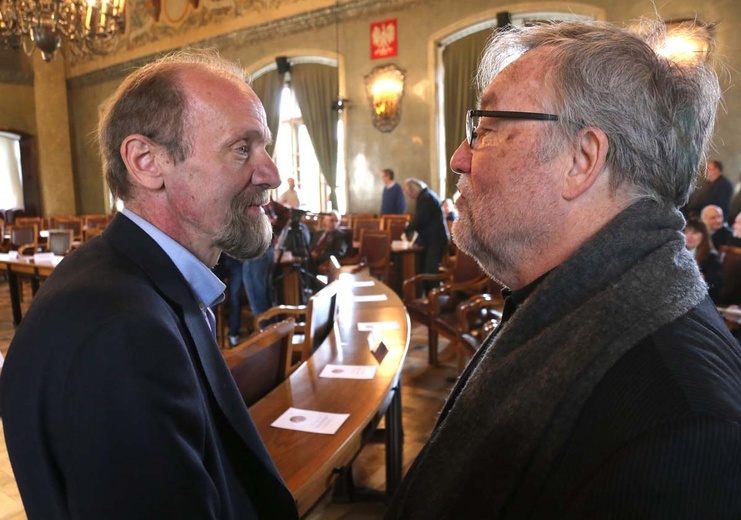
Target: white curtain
11 185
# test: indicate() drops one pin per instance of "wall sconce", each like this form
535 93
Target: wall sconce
385 88
686 41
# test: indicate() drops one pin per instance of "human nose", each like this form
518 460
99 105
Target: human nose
266 172
460 163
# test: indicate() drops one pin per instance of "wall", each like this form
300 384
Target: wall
410 149
17 107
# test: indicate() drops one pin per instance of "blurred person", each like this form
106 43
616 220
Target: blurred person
290 197
392 200
330 241
611 388
429 223
116 401
449 210
714 189
707 258
720 232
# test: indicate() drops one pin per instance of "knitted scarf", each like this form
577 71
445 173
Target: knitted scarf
516 403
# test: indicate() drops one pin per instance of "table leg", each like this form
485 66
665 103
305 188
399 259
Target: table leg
15 297
394 442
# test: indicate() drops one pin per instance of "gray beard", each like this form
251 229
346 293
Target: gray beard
245 236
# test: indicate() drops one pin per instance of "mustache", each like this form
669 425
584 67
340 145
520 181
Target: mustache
251 197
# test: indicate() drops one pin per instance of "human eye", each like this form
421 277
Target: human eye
243 149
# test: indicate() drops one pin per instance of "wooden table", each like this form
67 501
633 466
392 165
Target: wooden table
310 462
24 267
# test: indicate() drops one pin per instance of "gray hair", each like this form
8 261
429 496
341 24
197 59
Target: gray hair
658 115
414 186
152 102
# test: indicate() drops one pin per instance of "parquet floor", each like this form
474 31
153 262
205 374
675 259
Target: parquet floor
424 390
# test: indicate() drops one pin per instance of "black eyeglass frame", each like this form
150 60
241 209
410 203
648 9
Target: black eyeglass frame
504 114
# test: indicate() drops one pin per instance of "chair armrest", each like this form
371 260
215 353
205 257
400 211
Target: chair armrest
27 249
280 310
409 286
476 303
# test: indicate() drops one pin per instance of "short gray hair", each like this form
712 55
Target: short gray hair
658 115
151 102
414 186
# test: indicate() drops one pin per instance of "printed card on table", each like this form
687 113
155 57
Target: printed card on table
369 298
365 326
310 421
349 371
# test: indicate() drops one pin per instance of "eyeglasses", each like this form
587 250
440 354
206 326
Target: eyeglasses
473 116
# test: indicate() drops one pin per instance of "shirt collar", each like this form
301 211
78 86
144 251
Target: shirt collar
206 286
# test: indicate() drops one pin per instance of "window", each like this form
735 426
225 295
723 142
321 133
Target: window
11 179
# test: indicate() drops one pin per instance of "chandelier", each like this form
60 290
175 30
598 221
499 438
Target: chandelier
86 26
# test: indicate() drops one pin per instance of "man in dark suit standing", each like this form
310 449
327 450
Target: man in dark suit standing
116 401
429 223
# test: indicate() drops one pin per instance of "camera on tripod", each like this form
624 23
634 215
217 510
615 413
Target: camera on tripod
296 235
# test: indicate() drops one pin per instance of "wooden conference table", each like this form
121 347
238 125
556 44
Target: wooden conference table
310 462
25 267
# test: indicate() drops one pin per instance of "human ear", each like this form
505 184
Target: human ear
143 160
590 156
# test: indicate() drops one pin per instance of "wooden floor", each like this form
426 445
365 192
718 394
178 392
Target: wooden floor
424 389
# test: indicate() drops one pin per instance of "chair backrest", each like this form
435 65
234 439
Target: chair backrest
262 362
730 291
375 246
387 220
87 234
60 241
94 221
333 271
466 268
321 312
75 224
28 221
22 235
395 228
360 224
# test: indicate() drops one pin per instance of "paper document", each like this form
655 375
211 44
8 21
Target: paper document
349 371
363 283
365 326
369 298
310 421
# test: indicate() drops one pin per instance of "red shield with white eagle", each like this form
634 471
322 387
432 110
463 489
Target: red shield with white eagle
383 36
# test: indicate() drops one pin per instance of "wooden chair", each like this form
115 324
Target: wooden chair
314 321
374 254
333 270
476 317
73 223
88 233
460 280
358 216
60 241
730 292
262 362
94 222
28 221
24 238
396 228
387 219
360 224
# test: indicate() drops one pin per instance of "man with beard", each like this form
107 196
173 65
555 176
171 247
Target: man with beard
611 388
116 401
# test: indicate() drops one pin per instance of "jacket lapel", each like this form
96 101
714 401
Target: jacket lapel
137 245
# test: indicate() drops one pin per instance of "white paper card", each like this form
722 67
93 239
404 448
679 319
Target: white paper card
370 298
310 421
363 283
349 371
365 326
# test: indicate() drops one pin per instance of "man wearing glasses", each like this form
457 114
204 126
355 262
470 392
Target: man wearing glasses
612 388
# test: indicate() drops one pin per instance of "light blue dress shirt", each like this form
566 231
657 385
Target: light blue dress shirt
206 286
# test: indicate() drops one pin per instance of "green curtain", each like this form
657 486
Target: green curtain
316 87
460 60
269 88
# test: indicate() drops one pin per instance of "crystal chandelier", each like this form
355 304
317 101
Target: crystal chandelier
86 26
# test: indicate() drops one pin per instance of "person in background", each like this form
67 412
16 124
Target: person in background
392 200
707 258
330 241
230 269
257 273
612 387
116 401
429 223
449 210
720 232
290 197
714 188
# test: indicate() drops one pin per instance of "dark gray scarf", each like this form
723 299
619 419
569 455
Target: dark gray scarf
516 404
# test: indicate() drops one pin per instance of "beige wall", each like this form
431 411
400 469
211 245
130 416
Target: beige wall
410 149
17 108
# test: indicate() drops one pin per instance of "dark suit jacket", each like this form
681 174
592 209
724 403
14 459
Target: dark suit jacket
428 220
117 403
721 236
336 245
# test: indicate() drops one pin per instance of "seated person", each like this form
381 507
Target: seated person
327 242
448 208
720 232
707 258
